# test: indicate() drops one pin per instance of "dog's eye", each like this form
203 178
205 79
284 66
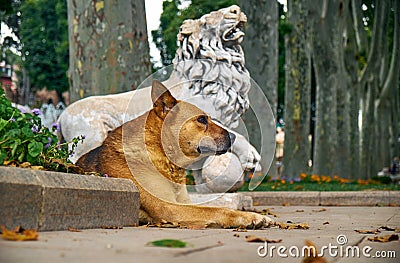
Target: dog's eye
203 119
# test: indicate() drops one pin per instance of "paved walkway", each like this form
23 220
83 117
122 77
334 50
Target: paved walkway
216 245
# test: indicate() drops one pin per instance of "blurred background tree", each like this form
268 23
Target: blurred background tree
39 45
43 33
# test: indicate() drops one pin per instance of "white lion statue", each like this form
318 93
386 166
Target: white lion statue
208 70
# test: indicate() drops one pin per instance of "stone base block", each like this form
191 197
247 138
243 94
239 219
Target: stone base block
45 200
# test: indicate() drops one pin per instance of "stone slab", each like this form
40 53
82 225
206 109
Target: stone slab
20 199
46 200
284 198
355 198
394 198
230 200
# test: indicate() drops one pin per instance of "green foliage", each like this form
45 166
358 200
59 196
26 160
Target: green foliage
382 179
43 32
324 183
24 139
171 19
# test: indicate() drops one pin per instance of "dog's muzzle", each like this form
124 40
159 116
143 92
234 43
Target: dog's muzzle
217 147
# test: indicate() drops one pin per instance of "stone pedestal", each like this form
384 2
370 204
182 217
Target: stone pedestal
45 200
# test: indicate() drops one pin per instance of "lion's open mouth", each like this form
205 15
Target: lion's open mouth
234 33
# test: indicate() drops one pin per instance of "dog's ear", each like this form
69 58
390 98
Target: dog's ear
162 99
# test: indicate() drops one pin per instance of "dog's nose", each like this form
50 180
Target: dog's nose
232 137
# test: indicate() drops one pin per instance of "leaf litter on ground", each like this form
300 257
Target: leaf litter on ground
256 239
367 231
290 226
19 234
384 239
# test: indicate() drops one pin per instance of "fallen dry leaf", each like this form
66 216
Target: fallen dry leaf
290 226
74 230
373 231
384 239
387 228
112 227
38 167
19 235
319 210
236 235
299 210
11 163
240 230
313 258
326 223
255 239
25 165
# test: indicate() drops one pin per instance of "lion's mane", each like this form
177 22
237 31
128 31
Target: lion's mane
211 59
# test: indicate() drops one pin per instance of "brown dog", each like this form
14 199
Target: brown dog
154 150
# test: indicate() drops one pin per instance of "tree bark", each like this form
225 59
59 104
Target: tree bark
261 51
298 90
351 62
109 50
329 70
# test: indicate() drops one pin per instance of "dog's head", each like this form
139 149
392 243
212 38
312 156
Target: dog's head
186 130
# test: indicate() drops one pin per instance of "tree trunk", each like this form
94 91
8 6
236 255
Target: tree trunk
298 90
261 51
351 62
328 31
109 51
375 80
343 160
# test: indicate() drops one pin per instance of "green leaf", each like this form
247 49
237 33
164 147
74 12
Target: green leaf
27 132
35 148
173 243
17 142
3 124
3 156
14 133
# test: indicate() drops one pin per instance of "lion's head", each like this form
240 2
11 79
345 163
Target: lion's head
211 58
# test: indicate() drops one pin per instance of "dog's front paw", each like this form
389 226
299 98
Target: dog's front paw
258 221
251 220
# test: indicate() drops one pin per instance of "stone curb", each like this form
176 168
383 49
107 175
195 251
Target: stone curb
315 198
46 200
